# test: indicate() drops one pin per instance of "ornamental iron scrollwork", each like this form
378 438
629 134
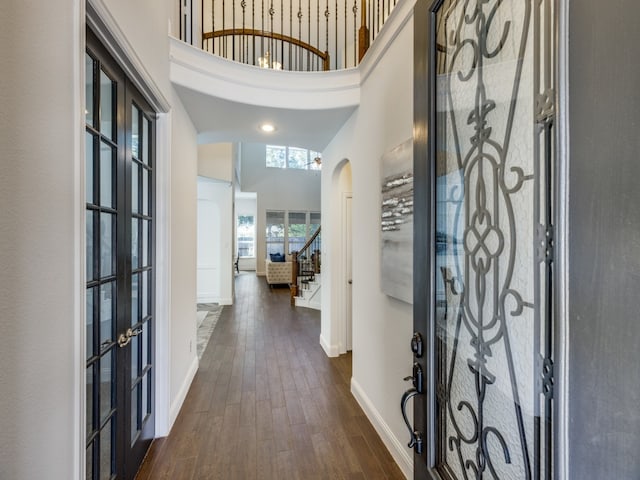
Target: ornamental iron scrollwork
494 238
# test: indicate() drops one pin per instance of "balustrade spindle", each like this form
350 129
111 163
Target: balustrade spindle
326 16
270 50
377 18
345 35
335 45
308 32
243 59
298 60
213 28
271 57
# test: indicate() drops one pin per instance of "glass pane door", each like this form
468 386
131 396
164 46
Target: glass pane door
140 163
493 240
101 151
119 269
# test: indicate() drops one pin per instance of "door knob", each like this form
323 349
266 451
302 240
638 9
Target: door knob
125 338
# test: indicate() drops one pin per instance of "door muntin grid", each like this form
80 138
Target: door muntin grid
492 224
120 256
101 149
142 272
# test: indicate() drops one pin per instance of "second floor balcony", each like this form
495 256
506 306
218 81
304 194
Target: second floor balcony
295 35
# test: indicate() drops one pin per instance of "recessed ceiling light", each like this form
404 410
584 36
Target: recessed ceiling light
267 128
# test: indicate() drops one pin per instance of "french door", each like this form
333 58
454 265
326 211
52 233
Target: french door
120 328
483 372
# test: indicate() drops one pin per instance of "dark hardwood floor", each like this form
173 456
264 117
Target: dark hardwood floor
267 403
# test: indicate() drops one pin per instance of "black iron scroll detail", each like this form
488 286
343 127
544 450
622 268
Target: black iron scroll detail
477 32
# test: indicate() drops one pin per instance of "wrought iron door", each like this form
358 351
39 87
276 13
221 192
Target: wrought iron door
491 239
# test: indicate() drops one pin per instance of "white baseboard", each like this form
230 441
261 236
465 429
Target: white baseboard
176 405
398 451
207 298
331 351
214 299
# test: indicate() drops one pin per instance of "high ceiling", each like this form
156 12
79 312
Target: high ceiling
220 120
228 101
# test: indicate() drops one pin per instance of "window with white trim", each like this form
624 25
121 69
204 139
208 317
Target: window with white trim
246 236
292 157
275 234
288 232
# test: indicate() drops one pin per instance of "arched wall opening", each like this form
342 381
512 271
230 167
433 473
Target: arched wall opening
336 326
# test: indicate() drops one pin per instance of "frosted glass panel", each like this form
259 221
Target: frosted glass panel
146 131
107 303
88 88
106 451
107 229
88 187
135 296
489 276
135 132
107 105
107 157
135 188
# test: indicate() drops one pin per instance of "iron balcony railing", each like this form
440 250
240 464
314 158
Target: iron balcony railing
299 35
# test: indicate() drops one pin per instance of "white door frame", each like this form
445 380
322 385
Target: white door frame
346 342
111 36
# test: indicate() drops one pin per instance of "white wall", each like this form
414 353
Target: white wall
215 160
382 326
215 242
40 235
42 227
277 189
145 24
150 42
184 171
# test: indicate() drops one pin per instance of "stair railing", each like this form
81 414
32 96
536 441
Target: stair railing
306 264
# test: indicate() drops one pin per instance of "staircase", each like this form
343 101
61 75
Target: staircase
310 293
306 281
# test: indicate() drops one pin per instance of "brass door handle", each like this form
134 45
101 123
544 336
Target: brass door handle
125 338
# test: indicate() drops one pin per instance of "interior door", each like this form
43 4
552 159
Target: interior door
348 199
484 248
119 136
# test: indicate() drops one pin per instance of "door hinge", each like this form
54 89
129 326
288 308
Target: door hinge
544 243
545 378
545 106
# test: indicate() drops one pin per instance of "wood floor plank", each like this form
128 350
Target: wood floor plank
267 403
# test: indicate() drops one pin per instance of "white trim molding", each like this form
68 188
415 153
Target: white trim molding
182 393
212 298
80 289
330 350
101 21
103 24
163 274
198 70
398 451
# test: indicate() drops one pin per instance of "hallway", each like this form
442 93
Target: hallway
267 403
